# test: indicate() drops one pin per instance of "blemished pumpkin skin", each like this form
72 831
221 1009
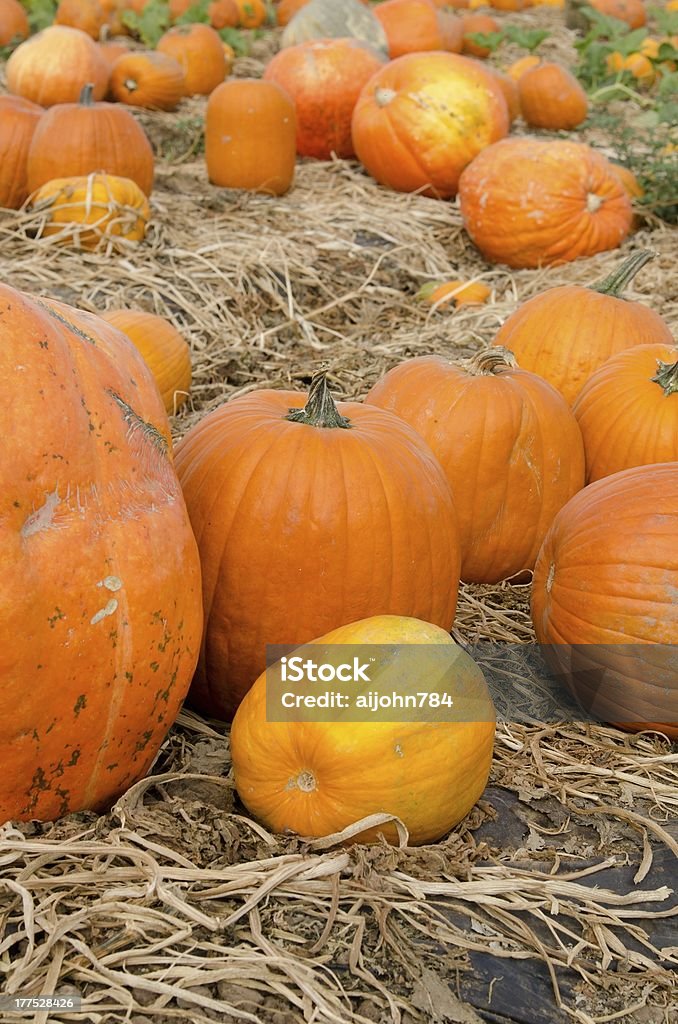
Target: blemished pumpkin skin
606 576
423 117
18 121
165 352
84 210
529 202
510 448
199 50
307 523
87 15
628 411
250 136
316 778
564 334
13 22
74 139
551 97
324 78
148 79
411 26
55 65
100 604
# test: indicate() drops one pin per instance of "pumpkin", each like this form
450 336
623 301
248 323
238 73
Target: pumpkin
165 352
250 136
13 22
604 598
477 24
551 97
286 9
199 50
410 26
628 179
528 202
509 90
628 410
112 49
54 66
223 14
101 612
456 293
148 79
565 333
327 19
324 79
637 64
73 139
316 777
18 121
251 13
523 64
423 117
85 210
308 517
509 445
630 11
452 31
87 15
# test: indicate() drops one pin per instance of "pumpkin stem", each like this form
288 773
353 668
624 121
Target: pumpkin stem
85 99
667 377
615 283
492 360
320 409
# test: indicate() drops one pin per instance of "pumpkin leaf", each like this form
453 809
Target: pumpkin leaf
197 13
151 24
40 13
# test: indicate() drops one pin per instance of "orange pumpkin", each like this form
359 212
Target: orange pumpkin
87 15
565 333
403 132
528 202
165 352
223 14
286 10
54 66
551 97
411 26
334 491
477 24
628 410
509 89
84 210
100 569
251 13
250 136
324 78
452 31
112 49
18 121
523 64
78 138
317 777
604 598
199 50
13 22
148 79
509 445
456 293
630 11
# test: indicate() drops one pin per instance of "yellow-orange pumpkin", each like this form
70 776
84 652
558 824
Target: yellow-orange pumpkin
165 352
88 209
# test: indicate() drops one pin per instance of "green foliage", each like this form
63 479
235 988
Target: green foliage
238 41
40 13
151 24
196 14
527 38
608 35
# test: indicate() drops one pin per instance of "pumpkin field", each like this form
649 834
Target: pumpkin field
342 329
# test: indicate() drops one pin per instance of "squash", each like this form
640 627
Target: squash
165 352
148 79
327 19
87 15
100 606
14 25
318 774
83 211
551 97
565 333
509 445
199 50
308 517
529 202
411 26
55 65
604 598
18 121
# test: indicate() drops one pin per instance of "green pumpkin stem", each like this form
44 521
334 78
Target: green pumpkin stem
491 360
667 377
320 409
615 283
85 99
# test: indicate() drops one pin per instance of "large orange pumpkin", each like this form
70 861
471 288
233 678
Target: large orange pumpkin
604 597
509 445
628 410
199 50
18 121
100 610
165 352
13 22
309 517
317 777
528 202
55 65
324 78
566 333
551 97
423 117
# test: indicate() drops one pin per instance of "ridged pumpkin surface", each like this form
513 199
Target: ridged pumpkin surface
148 79
54 65
86 209
100 612
316 778
165 352
18 121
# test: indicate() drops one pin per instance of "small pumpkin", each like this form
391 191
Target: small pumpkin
84 211
165 352
87 15
565 333
251 13
112 49
223 14
551 97
18 121
14 25
523 64
148 79
456 293
307 776
411 26
477 24
54 66
200 52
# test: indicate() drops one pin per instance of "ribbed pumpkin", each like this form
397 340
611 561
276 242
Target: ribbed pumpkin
528 202
199 50
564 334
250 136
411 26
87 15
165 352
421 119
324 78
509 445
308 517
18 121
100 608
54 66
86 209
604 598
317 777
551 97
148 79
628 411
13 22
74 139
